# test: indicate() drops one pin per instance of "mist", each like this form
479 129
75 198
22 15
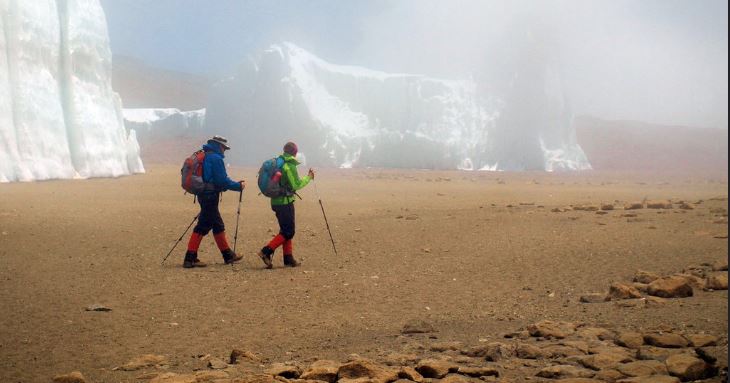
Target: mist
662 62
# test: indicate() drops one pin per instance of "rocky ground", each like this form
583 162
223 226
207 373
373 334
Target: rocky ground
441 277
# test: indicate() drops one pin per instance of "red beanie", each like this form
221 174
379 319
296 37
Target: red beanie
291 148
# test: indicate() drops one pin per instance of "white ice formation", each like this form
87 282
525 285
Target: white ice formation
356 117
59 117
153 124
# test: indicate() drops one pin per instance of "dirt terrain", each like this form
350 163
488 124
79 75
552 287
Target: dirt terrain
475 255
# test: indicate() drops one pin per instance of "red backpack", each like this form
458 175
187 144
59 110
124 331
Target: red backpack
192 173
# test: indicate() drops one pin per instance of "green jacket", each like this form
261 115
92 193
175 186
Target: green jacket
290 178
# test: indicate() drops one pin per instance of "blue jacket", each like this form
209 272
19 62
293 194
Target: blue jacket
214 170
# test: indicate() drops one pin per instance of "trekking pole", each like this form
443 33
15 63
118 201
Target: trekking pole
179 239
238 216
325 217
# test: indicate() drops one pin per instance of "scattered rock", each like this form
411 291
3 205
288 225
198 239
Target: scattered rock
714 355
325 370
643 368
400 359
720 265
650 379
528 351
693 280
147 360
686 206
237 355
171 377
417 326
551 329
561 351
97 307
479 371
701 340
634 206
659 205
666 340
670 287
630 339
645 277
595 333
619 291
411 374
563 371
607 206
217 364
716 281
687 367
658 353
454 378
609 375
284 370
435 368
366 369
72 377
593 298
446 346
604 360
492 352
585 208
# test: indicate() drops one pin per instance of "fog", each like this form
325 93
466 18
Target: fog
655 61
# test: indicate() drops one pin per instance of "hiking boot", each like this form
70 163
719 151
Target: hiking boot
267 259
230 257
290 261
191 260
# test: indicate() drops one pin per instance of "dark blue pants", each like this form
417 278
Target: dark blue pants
210 216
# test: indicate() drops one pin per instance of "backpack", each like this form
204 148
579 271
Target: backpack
192 174
269 182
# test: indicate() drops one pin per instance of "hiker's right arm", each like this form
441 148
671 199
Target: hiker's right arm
220 177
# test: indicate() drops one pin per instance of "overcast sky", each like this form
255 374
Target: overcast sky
661 61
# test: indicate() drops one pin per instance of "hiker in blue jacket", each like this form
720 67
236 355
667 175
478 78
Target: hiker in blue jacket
217 181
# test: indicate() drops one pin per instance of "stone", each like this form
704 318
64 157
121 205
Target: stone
528 351
237 355
446 346
255 378
720 265
592 333
561 351
630 339
693 280
634 206
493 352
619 291
97 307
654 301
717 281
670 287
702 340
435 368
643 368
607 206
658 353
217 364
593 298
687 367
210 376
659 205
647 277
714 355
650 379
417 326
666 340
147 360
626 353
477 372
579 380
686 206
363 368
71 377
551 329
563 371
284 370
609 375
170 377
410 373
325 370
400 359
454 378
604 361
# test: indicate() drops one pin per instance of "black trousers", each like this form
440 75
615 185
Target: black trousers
210 216
285 216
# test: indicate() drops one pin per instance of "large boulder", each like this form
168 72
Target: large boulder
670 287
687 367
667 340
325 370
551 329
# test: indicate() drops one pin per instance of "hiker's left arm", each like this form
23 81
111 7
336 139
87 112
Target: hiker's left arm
293 177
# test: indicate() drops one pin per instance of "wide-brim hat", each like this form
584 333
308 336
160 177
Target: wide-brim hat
221 140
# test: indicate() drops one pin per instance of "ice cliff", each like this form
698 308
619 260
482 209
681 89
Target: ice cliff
59 117
153 124
356 117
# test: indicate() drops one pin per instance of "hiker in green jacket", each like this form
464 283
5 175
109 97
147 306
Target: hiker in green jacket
284 208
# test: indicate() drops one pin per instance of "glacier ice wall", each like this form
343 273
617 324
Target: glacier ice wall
153 124
59 117
356 117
